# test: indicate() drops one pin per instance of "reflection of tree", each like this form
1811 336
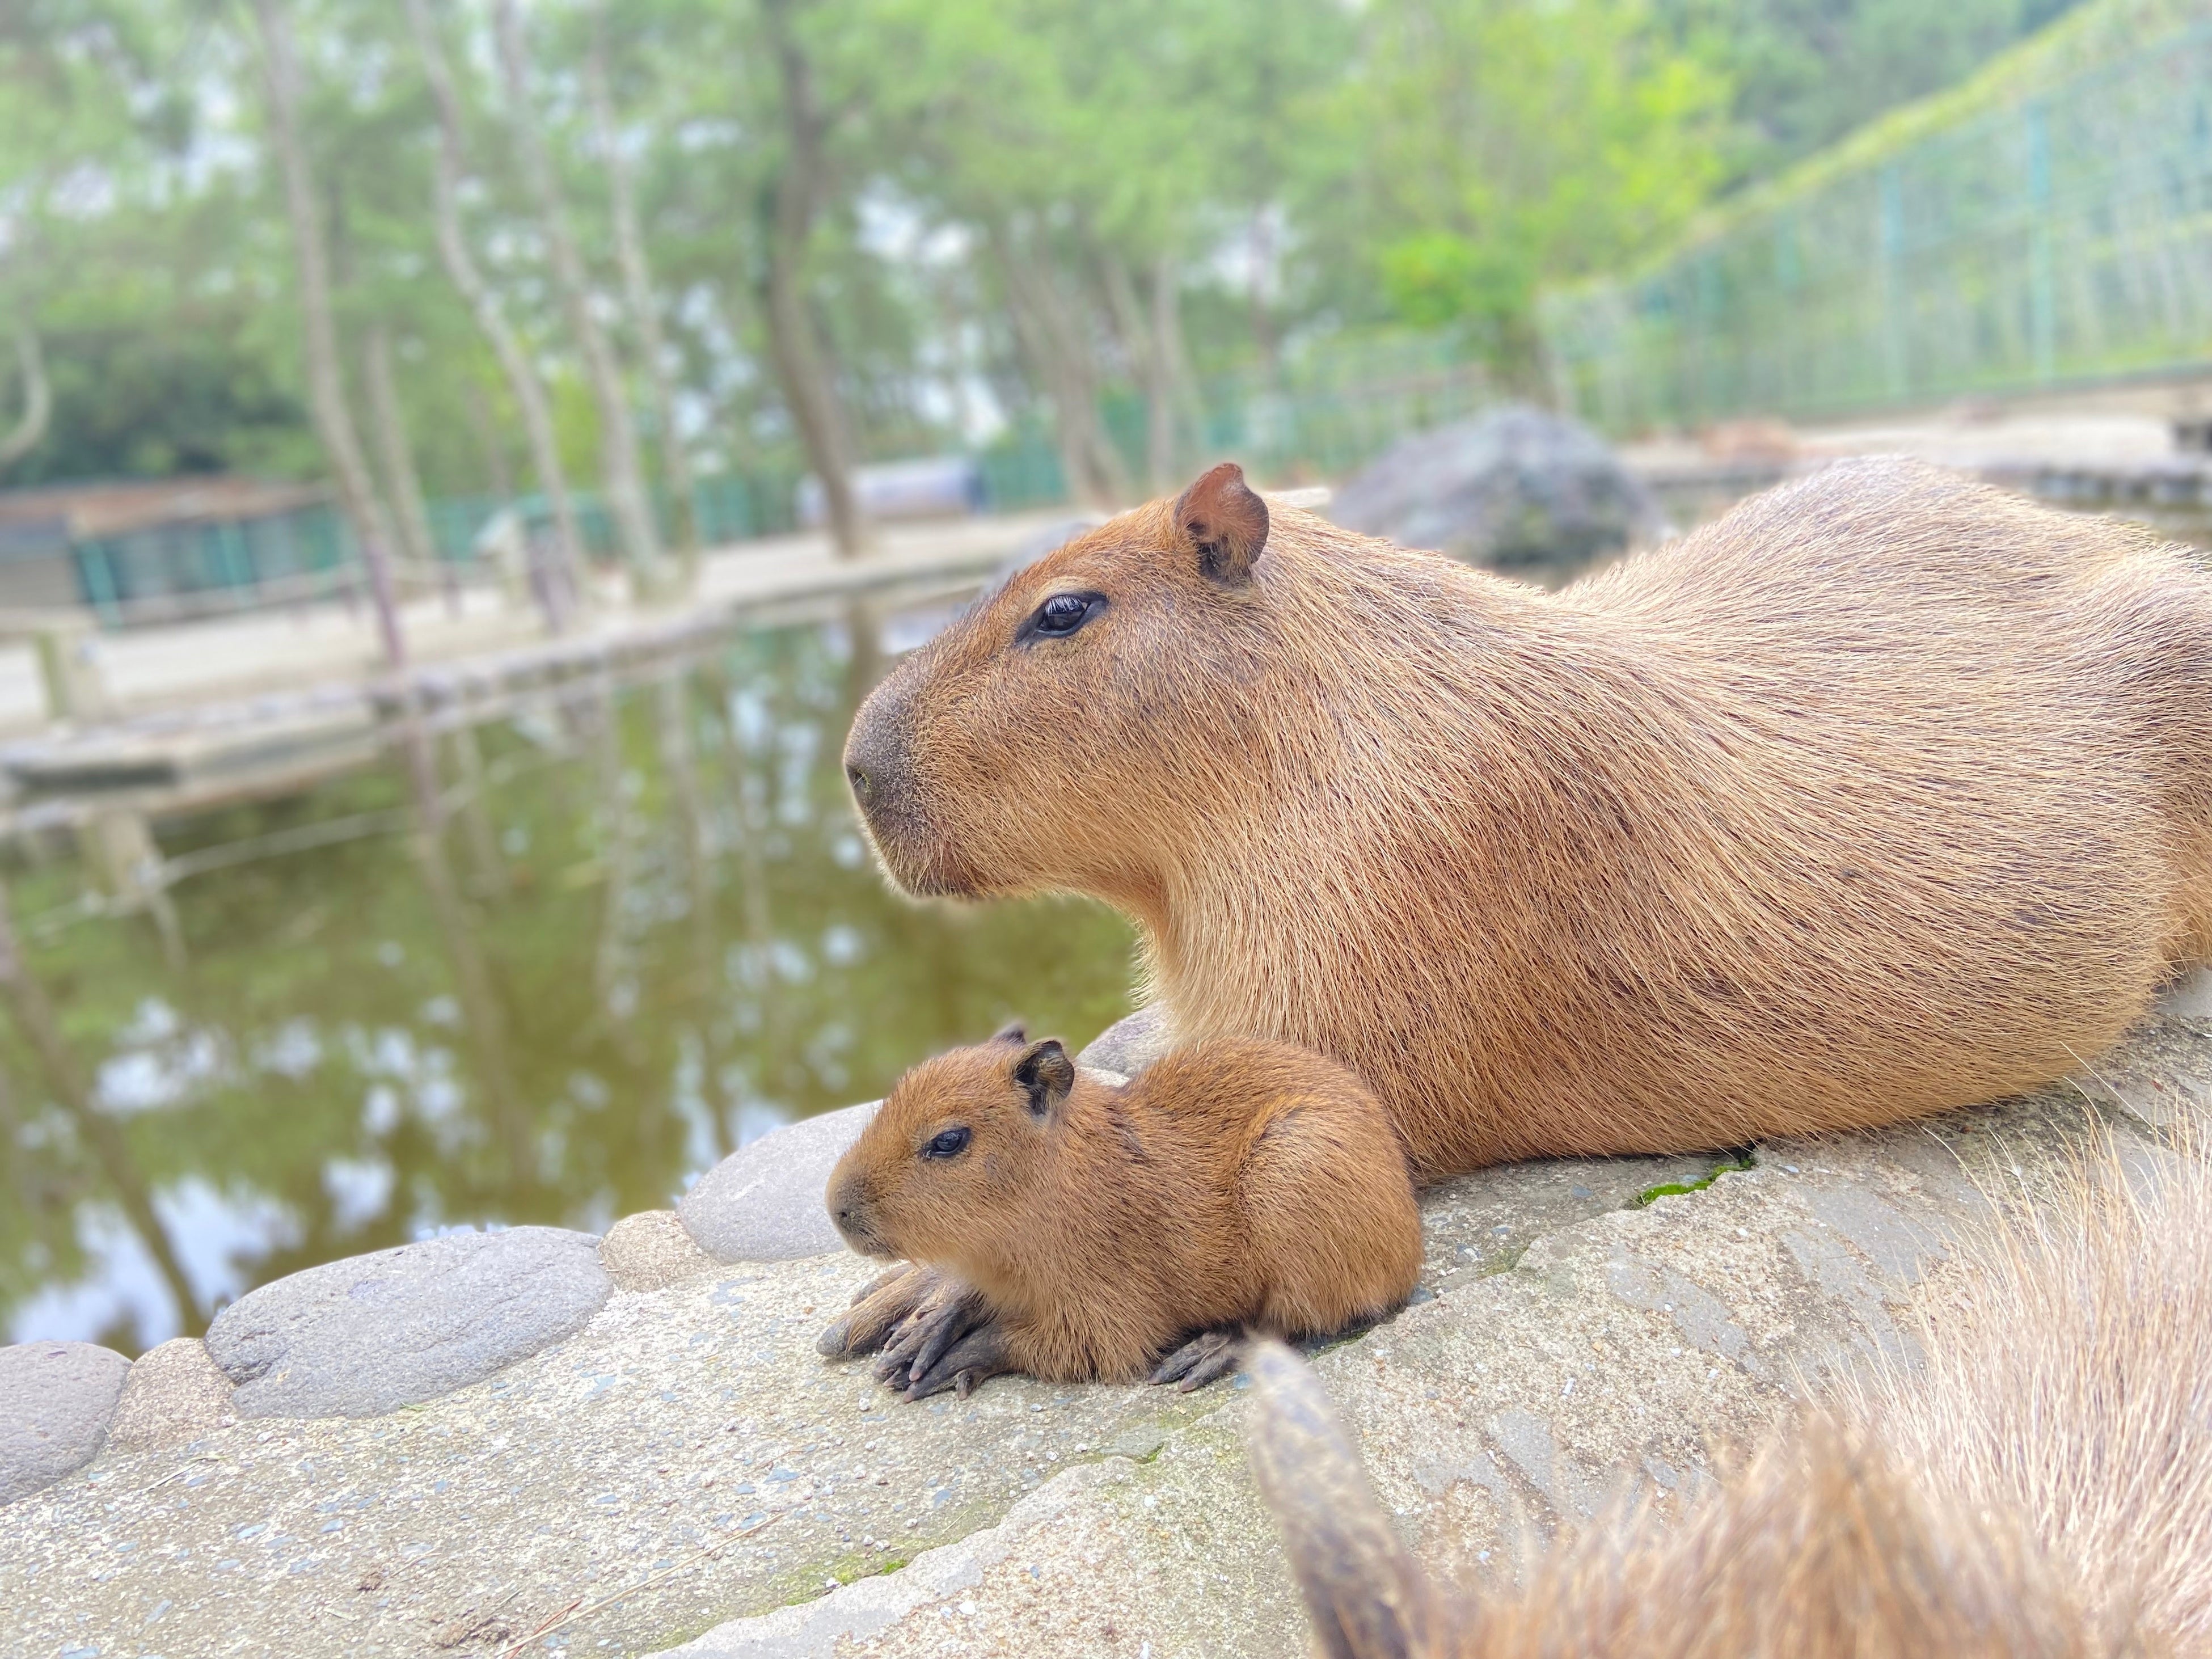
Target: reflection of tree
441 1040
36 1019
481 1015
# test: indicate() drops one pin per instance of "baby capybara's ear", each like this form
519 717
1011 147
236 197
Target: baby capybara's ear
1012 1033
1224 523
1047 1073
1368 1598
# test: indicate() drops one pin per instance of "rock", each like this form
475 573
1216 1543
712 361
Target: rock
375 1333
57 1399
764 1202
689 1447
1128 1045
2189 997
1515 489
175 1394
644 1252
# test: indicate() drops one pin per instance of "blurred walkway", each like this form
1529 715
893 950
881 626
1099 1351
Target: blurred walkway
175 668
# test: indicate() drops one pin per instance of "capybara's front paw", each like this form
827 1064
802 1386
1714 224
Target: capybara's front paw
879 1307
981 1353
947 1314
1206 1356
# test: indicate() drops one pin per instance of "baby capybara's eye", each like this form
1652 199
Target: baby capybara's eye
947 1143
1062 615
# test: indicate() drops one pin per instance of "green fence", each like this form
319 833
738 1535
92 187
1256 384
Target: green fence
2064 239
188 570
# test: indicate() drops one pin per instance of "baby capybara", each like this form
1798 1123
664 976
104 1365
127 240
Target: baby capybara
1234 1186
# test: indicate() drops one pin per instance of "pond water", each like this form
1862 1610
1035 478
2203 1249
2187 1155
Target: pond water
645 931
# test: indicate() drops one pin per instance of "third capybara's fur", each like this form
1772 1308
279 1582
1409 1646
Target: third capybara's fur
1885 792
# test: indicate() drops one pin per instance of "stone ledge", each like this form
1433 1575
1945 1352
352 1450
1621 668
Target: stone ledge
1617 1332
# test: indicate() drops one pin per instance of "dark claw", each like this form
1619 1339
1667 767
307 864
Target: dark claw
1205 1358
977 1355
953 1321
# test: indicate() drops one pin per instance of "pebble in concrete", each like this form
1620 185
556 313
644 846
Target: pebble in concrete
175 1394
646 1251
764 1202
375 1333
57 1399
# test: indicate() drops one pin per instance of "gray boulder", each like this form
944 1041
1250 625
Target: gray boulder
1129 1044
375 1333
1515 489
764 1202
57 1399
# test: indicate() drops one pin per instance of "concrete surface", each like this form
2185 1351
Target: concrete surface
174 1394
685 1468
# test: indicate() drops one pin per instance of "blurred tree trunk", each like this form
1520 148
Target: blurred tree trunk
563 589
484 426
644 309
1174 357
1149 342
38 398
326 398
403 484
794 203
625 479
1096 472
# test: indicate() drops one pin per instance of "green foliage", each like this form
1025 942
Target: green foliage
1288 168
1806 72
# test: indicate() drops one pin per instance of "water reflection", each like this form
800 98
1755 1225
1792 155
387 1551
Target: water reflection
545 969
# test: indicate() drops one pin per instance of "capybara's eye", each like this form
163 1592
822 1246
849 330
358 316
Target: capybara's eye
1062 615
947 1143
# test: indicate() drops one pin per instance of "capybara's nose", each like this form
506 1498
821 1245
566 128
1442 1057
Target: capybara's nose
875 754
848 1210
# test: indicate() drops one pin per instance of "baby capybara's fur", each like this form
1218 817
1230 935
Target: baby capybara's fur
1235 1185
1885 792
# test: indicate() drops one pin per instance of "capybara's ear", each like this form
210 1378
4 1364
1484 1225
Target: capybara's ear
1011 1033
1225 524
1048 1073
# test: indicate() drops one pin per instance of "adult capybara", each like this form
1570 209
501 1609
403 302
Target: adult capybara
1234 1186
1884 793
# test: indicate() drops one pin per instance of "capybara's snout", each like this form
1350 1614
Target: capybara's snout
877 763
854 1215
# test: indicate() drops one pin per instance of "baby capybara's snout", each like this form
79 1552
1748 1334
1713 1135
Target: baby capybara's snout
853 1214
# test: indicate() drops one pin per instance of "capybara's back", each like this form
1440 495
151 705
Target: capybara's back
1885 792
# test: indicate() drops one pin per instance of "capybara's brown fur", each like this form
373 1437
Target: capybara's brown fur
1884 793
2041 1487
1235 1184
